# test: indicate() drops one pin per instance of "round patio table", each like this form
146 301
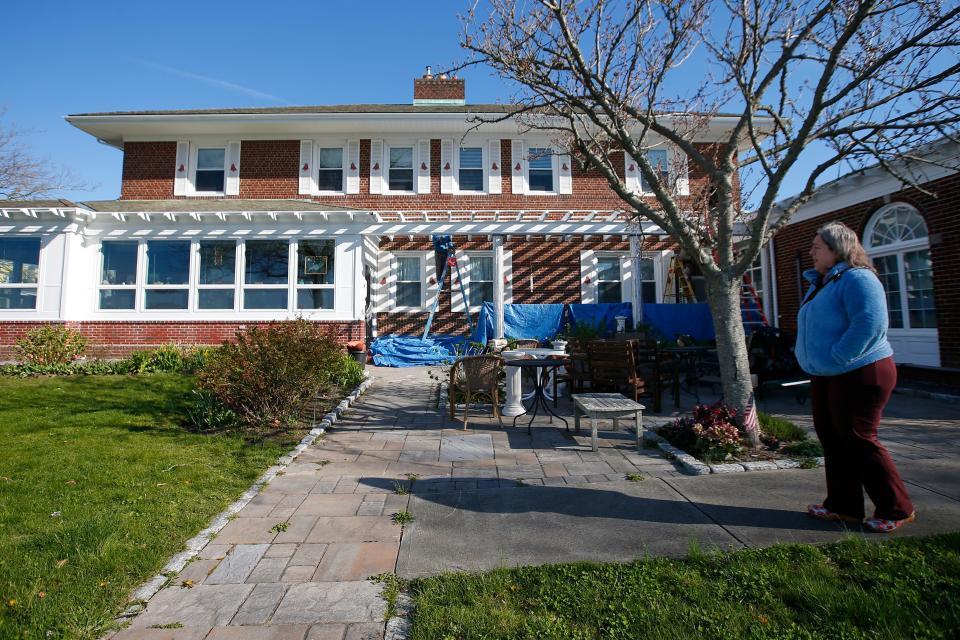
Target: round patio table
539 397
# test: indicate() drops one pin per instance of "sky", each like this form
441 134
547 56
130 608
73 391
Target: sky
65 58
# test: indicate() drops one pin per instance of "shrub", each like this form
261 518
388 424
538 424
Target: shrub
804 449
347 373
50 345
205 413
709 433
782 430
269 375
169 359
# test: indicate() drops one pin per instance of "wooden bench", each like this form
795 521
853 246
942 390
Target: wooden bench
606 406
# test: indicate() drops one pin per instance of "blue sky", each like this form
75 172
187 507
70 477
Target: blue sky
67 58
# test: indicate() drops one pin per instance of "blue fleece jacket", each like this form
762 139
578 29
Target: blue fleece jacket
843 327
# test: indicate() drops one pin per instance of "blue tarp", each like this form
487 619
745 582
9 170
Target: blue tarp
600 315
672 320
409 351
540 321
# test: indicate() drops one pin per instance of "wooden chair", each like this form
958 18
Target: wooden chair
527 343
612 366
475 376
658 370
576 375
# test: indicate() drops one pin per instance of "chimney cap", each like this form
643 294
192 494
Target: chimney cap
429 74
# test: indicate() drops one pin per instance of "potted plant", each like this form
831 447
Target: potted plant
358 350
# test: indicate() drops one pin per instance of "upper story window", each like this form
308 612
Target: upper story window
609 285
330 169
658 161
470 176
168 275
19 267
400 170
481 279
541 169
209 176
409 271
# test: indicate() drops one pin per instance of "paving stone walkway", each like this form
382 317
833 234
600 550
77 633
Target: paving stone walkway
487 497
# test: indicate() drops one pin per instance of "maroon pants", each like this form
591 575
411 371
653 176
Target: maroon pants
846 413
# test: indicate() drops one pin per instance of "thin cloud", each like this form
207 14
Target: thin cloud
216 82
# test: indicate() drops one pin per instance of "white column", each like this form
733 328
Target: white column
498 288
514 401
635 290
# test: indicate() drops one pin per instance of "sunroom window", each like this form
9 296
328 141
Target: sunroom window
330 169
400 172
265 276
315 274
216 281
541 169
210 173
609 286
168 275
19 264
471 169
118 274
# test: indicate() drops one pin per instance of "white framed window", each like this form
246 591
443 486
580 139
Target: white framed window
648 279
167 281
897 240
266 277
470 169
400 169
609 279
541 173
480 278
330 169
119 266
217 275
209 170
659 161
19 273
315 274
409 270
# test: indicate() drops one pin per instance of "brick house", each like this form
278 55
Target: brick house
912 235
232 217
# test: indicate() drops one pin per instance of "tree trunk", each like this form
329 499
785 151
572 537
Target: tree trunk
723 296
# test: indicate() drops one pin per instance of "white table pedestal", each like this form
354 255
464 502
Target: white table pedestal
514 402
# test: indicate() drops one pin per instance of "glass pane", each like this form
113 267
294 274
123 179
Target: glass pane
218 262
330 180
331 158
899 223
211 159
168 262
471 179
471 157
481 268
647 269
209 180
648 292
408 269
888 272
540 158
401 157
267 262
480 292
117 298
917 269
216 299
166 298
25 298
658 162
609 292
264 298
314 298
408 294
119 263
401 180
608 269
19 260
541 180
315 262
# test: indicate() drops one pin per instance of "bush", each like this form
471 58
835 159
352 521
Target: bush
169 359
782 430
269 375
347 373
206 413
50 345
804 449
710 433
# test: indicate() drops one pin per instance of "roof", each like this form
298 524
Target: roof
36 204
330 108
191 205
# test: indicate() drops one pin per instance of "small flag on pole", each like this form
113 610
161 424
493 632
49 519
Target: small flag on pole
751 423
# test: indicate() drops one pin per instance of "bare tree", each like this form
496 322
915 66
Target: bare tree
841 81
24 176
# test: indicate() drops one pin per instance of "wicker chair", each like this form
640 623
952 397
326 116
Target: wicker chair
527 343
475 376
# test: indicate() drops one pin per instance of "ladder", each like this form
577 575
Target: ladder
678 288
751 307
444 249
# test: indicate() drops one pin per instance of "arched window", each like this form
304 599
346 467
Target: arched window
896 239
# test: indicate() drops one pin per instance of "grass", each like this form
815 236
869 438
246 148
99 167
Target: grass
906 588
109 456
402 517
781 429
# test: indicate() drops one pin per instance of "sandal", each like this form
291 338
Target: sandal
882 525
820 512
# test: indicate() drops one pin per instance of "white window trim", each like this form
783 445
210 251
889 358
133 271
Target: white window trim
392 280
554 167
414 145
319 143
289 285
296 270
626 273
657 281
484 166
26 285
136 287
465 270
640 178
235 287
143 287
194 151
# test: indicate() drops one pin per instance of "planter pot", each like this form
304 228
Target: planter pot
361 357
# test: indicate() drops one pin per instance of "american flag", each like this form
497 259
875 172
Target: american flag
751 423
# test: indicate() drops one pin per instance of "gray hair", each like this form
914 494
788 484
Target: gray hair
844 242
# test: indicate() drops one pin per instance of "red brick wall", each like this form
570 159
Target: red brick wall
269 168
117 339
148 169
439 89
554 264
942 214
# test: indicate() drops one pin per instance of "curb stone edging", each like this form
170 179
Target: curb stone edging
398 626
194 545
693 467
929 395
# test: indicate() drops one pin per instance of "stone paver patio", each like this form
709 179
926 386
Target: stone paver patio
488 497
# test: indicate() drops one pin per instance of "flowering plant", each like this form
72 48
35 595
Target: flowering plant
709 433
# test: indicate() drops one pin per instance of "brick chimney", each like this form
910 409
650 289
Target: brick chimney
439 89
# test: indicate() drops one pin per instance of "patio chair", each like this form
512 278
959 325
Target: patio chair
612 366
473 377
576 375
527 343
658 370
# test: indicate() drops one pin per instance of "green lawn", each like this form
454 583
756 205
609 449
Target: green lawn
907 588
128 486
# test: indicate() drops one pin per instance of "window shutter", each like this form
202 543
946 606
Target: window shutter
627 278
390 273
353 166
507 277
423 166
431 291
457 301
376 166
446 166
182 169
233 169
307 184
588 277
679 166
517 166
495 183
565 173
632 173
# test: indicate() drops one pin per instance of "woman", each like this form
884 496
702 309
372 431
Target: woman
842 344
